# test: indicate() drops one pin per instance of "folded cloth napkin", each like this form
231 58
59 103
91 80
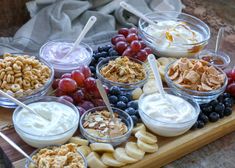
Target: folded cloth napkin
64 20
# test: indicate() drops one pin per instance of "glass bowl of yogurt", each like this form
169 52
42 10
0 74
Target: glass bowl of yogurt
97 132
59 122
175 34
169 118
55 53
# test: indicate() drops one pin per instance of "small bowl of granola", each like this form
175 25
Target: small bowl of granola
124 72
57 156
96 125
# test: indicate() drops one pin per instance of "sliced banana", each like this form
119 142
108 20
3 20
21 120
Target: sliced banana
79 141
85 150
133 151
101 147
149 148
164 61
136 93
121 155
138 127
146 137
149 86
109 160
93 161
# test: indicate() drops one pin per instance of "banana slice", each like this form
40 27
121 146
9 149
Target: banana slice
133 151
85 150
101 147
79 141
121 155
149 148
93 161
150 86
109 160
163 61
146 137
138 127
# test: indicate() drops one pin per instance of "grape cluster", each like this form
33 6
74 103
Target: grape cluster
214 110
123 100
231 82
99 54
128 43
79 88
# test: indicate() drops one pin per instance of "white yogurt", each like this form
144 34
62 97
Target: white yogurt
174 38
60 124
170 118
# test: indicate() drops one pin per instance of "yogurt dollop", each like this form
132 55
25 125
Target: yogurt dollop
60 118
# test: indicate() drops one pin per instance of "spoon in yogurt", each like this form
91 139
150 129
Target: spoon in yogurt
14 145
21 104
131 9
158 81
219 39
87 27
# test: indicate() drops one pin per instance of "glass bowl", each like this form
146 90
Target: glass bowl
115 140
5 102
66 65
175 49
123 86
219 55
28 162
39 141
198 96
165 128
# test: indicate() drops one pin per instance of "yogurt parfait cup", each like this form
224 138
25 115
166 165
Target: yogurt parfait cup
55 53
91 137
168 123
175 34
59 122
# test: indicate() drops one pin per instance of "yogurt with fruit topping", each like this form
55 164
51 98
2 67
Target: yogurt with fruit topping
174 38
58 124
167 117
55 53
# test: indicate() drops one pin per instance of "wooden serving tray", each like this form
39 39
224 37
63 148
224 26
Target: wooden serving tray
170 149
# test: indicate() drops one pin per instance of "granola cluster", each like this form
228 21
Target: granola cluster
123 70
196 75
65 156
100 124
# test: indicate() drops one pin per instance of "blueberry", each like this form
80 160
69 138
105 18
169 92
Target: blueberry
134 119
127 94
97 56
107 47
194 125
226 95
221 114
93 70
219 107
131 111
228 102
121 105
100 49
200 124
228 111
207 109
115 90
213 103
113 52
220 98
104 54
203 118
133 104
93 61
113 99
123 98
214 117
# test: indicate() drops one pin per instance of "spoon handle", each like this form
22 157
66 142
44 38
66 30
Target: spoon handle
219 39
136 12
15 146
104 96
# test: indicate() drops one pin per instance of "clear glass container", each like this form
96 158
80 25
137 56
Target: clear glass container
125 118
175 49
40 141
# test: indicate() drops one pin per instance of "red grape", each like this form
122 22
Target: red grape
78 76
67 85
148 50
142 55
231 89
143 45
113 40
66 75
135 45
81 110
86 105
133 30
55 83
117 39
78 96
123 31
230 80
120 47
131 37
96 93
59 93
68 98
98 102
86 71
90 84
128 52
